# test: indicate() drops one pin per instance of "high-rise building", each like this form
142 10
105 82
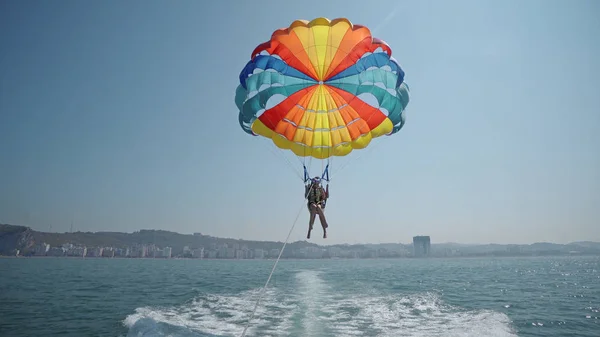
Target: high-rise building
421 246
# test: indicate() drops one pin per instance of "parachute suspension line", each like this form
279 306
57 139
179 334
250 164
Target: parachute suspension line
329 159
363 153
274 266
279 154
282 154
326 173
322 168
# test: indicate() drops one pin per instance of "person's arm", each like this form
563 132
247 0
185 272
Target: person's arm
306 189
327 192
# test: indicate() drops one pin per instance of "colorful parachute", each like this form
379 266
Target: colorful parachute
308 89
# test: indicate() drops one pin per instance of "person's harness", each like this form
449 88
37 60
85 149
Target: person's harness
317 195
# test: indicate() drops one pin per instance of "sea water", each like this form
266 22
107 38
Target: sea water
535 296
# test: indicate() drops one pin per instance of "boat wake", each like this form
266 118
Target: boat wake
315 309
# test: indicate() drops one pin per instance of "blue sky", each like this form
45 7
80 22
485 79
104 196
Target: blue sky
120 116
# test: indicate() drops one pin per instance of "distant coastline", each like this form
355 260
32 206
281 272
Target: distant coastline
474 257
161 244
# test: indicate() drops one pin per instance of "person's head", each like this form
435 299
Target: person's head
316 181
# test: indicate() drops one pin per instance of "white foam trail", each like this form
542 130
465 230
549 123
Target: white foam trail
311 291
216 315
315 309
415 315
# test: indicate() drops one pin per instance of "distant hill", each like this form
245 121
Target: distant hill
586 244
24 238
20 237
14 238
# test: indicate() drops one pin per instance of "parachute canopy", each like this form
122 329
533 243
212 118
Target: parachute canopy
322 88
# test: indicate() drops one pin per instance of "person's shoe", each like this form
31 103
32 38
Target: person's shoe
324 235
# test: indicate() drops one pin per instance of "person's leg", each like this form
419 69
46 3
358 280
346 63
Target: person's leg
319 211
311 221
323 221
